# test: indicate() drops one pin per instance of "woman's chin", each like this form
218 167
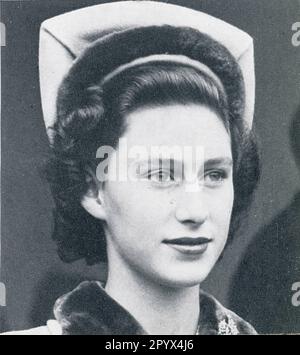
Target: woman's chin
183 279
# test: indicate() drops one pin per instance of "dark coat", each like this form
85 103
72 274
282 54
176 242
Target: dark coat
90 310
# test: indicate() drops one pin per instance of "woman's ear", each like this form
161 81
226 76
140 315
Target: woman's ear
92 201
93 204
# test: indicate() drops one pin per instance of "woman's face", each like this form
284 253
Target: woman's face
169 223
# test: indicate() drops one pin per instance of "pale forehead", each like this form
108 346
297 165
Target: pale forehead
179 125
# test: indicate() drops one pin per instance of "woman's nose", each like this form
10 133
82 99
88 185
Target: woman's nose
191 209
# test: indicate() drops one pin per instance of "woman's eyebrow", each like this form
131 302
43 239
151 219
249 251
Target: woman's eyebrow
227 161
174 165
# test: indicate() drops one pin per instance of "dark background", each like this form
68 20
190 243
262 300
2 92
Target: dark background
33 274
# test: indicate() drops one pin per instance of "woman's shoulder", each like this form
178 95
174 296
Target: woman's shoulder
217 319
52 328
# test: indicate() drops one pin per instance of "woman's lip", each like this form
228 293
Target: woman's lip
188 241
188 245
195 250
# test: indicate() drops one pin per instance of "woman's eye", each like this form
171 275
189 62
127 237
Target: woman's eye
215 177
160 176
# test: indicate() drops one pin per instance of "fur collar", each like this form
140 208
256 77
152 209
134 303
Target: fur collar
89 310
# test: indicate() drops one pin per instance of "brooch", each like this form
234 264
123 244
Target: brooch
227 327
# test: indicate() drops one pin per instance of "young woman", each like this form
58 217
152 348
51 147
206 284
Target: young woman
179 101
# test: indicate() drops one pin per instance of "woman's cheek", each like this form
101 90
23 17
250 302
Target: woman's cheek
221 205
133 203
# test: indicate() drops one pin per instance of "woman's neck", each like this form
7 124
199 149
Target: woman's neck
159 309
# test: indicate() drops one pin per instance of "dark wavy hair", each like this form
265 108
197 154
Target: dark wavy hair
101 121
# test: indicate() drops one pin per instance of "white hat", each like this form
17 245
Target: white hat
67 40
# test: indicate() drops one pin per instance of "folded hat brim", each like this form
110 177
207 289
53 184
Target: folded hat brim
66 37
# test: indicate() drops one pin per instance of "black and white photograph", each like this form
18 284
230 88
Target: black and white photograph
150 170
